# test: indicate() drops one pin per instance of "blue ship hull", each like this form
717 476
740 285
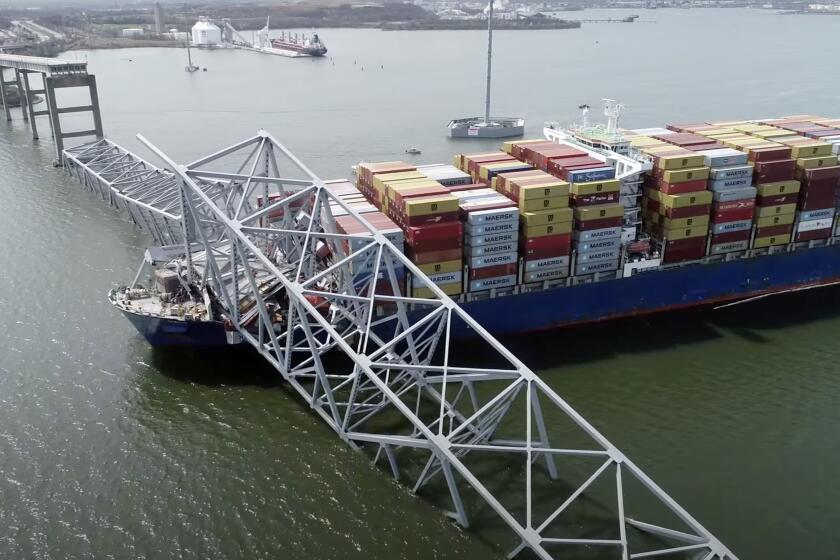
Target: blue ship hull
644 293
160 331
657 291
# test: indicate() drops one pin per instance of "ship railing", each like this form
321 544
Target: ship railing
475 423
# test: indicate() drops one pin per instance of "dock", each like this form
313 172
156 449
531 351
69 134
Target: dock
396 386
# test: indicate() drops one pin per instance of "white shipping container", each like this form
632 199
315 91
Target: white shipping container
489 239
492 260
480 250
813 225
495 282
543 275
723 157
547 264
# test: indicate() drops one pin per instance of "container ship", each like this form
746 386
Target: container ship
591 222
299 45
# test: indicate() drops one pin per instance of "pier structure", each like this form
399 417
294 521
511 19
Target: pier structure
382 369
55 74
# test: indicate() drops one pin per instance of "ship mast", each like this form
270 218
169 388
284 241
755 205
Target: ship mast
489 62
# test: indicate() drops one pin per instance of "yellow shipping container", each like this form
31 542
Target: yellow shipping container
404 189
546 190
549 229
535 173
450 289
550 203
772 133
644 141
780 220
425 205
684 200
812 162
458 161
442 266
683 161
772 240
775 210
381 178
595 187
683 223
683 175
778 187
811 150
749 127
545 217
685 233
599 211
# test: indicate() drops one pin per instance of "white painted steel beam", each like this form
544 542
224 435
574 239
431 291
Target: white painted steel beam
383 369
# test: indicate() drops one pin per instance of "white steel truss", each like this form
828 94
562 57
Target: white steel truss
473 423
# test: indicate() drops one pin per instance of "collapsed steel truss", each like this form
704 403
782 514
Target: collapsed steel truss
381 368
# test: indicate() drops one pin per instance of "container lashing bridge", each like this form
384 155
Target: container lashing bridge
329 312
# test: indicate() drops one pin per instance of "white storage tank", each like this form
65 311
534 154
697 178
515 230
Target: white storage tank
206 34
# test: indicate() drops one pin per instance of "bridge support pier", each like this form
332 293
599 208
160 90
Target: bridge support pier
53 83
30 104
55 75
5 101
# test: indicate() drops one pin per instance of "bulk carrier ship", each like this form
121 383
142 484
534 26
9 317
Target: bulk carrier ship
590 223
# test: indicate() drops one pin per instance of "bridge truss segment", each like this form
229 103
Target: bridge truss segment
381 368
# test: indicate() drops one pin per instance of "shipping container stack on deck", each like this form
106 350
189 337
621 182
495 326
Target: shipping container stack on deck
818 173
363 267
545 229
594 222
677 202
427 213
770 178
491 223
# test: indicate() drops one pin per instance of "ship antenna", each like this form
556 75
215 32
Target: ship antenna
612 111
489 61
584 112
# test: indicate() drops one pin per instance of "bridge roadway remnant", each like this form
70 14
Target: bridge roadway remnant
55 74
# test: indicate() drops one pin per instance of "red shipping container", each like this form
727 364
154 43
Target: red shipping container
689 243
475 163
492 271
772 171
814 198
600 223
731 237
811 235
427 219
820 184
733 205
688 254
817 173
776 199
770 154
425 238
591 199
546 253
823 133
427 257
709 146
734 215
545 241
770 231
681 188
